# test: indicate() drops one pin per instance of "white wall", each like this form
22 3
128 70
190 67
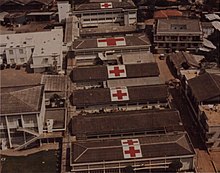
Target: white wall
18 55
63 8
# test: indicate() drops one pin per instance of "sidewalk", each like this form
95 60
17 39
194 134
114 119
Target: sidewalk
44 147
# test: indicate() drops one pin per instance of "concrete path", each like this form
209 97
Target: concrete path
44 147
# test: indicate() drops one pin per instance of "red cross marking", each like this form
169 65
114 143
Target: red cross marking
130 142
132 152
106 5
111 41
119 94
117 71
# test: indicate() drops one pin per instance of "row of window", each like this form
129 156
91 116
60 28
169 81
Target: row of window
11 52
108 18
116 12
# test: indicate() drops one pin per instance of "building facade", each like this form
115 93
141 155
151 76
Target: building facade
101 12
177 34
22 117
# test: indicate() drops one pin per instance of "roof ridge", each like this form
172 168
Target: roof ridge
19 91
179 140
86 149
214 81
21 101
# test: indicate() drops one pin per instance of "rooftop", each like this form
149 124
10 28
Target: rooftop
205 86
131 40
106 29
161 14
178 26
105 96
44 43
139 57
22 101
143 81
25 2
58 115
14 78
152 121
54 82
181 58
100 6
112 150
212 113
102 73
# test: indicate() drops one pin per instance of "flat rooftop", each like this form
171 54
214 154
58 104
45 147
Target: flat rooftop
174 26
114 29
143 81
138 57
59 117
118 123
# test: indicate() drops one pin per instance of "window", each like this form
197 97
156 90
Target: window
21 51
22 59
12 61
11 52
45 61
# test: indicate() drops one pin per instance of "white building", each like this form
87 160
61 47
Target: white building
111 12
22 116
42 49
63 8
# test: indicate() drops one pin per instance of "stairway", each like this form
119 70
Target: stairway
28 131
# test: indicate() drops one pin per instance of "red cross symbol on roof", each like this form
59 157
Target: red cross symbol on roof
106 5
117 71
130 142
119 94
111 41
132 152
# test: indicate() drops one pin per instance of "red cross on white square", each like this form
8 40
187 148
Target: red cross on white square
119 94
106 5
116 71
131 148
114 41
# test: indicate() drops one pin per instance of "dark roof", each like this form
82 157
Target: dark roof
182 57
25 2
100 73
151 147
58 116
131 40
102 96
126 122
22 101
178 25
96 6
205 86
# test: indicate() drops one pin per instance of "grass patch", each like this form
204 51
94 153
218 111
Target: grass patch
42 162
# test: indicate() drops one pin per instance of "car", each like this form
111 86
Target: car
13 65
162 57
